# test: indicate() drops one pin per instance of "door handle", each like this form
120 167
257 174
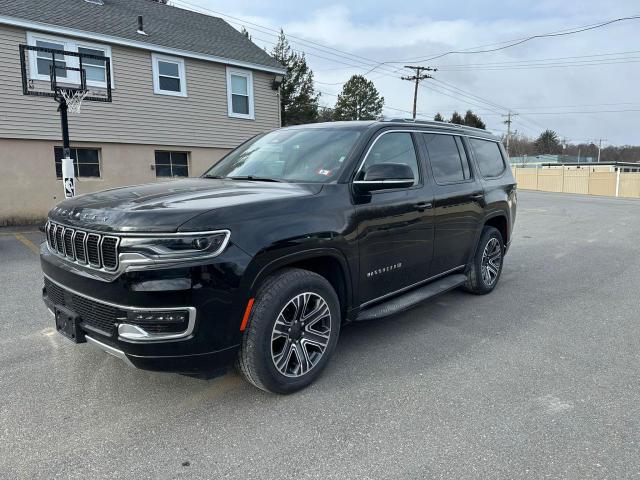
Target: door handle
422 206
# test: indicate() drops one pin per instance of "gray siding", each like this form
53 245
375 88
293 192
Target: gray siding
137 115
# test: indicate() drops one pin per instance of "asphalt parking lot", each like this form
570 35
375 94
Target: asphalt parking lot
540 379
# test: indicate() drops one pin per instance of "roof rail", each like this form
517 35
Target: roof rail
384 118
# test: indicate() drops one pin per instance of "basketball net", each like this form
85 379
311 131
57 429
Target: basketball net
74 99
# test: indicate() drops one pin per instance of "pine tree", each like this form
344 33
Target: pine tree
456 118
359 100
473 120
547 143
439 117
245 32
298 98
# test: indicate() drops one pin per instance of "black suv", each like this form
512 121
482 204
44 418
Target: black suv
263 258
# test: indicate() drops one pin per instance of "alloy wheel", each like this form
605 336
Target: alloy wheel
491 261
300 335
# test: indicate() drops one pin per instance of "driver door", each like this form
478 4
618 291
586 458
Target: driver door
395 226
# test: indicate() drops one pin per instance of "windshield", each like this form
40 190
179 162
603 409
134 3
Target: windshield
294 155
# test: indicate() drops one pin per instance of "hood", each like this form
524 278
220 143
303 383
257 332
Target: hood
163 207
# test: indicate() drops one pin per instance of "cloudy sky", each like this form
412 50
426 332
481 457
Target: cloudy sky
584 86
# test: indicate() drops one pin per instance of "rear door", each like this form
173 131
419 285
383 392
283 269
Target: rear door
458 201
395 227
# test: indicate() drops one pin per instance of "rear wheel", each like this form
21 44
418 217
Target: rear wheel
486 266
291 333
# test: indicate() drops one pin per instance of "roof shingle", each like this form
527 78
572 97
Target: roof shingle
166 26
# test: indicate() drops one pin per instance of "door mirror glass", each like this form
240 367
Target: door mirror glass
380 176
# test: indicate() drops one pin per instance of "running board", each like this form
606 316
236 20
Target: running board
411 298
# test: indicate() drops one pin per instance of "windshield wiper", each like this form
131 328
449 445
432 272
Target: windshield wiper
213 176
255 178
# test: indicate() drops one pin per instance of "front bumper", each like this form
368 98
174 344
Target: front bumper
210 293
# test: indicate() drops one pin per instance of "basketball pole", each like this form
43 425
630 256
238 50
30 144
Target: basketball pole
68 174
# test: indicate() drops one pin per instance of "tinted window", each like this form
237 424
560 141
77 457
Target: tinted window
394 147
448 162
488 156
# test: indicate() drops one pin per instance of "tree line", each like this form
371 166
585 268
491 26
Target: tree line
549 143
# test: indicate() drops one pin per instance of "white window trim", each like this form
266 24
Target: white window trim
156 75
71 46
249 76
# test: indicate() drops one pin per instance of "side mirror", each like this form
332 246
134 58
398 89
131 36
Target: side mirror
383 176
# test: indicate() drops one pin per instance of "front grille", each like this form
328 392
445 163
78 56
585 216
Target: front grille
103 317
94 314
79 246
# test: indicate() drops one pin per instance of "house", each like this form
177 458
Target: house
186 89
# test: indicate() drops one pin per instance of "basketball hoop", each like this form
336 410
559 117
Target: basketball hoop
73 98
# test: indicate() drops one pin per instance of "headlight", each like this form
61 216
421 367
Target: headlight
172 247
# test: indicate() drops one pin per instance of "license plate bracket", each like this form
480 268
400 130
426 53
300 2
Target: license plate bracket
68 324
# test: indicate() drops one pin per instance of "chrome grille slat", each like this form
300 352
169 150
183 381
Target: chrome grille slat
68 242
59 242
78 243
93 250
82 247
109 252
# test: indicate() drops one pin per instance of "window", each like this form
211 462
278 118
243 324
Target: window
40 62
95 69
169 76
447 157
316 155
240 93
488 156
172 164
44 60
86 162
394 147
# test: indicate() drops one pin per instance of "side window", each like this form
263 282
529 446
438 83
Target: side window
447 157
240 93
394 147
168 76
488 156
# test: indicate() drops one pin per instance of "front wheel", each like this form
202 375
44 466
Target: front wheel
291 333
486 265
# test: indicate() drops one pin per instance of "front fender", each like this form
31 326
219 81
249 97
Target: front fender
268 262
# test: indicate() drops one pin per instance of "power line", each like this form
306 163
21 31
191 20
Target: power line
510 62
533 66
514 43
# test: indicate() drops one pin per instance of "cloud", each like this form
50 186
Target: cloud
412 30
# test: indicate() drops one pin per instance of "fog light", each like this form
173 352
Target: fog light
172 316
156 325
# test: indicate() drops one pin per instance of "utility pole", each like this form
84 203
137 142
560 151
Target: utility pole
417 78
508 123
600 140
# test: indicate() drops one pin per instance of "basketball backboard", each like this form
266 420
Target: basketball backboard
48 72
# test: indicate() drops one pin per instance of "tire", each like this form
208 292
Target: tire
281 346
486 266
